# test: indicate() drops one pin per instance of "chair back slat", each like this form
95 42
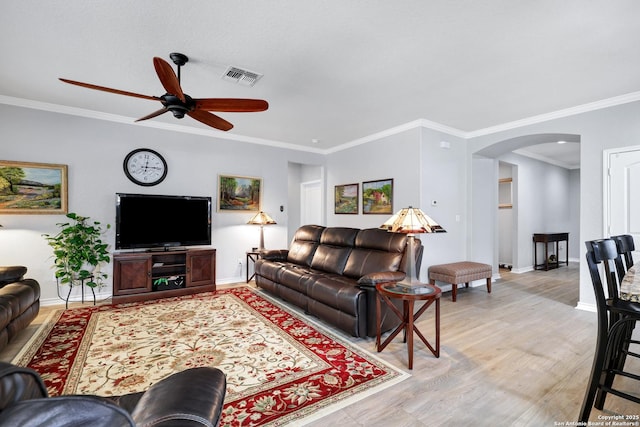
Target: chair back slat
626 247
604 252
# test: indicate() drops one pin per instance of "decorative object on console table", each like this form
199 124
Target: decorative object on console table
33 188
261 219
546 238
411 221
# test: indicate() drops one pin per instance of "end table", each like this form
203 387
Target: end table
252 256
408 295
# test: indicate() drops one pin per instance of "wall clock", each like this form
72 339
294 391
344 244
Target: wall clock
145 167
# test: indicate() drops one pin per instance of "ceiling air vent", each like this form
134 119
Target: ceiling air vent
240 76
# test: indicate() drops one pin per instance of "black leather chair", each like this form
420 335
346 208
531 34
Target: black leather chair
193 397
616 320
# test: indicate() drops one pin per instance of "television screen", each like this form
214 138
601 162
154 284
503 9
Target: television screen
153 221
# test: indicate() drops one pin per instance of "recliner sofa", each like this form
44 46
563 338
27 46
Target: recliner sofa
331 273
19 302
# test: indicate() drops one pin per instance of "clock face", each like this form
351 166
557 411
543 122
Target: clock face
145 167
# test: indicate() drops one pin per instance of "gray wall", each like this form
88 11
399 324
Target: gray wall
94 151
608 128
463 184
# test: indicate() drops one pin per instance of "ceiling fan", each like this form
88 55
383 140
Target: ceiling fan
179 103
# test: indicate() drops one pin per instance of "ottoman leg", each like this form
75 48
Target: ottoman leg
454 292
489 284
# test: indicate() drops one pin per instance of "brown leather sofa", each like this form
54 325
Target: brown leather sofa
19 302
331 273
193 397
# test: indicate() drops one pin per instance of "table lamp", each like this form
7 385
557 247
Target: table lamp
261 219
411 221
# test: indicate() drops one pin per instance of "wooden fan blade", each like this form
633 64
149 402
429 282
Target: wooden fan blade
168 78
233 105
154 114
108 89
210 119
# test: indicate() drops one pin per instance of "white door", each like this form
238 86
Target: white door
623 204
311 206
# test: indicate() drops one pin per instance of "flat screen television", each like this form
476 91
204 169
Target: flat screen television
157 221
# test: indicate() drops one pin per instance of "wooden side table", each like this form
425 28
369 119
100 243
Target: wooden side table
408 295
547 238
252 256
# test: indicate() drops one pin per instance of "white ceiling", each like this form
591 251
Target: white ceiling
336 70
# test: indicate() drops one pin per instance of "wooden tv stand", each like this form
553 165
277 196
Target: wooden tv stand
139 276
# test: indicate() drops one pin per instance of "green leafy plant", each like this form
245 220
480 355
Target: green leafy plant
79 251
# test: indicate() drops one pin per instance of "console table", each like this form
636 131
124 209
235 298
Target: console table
546 238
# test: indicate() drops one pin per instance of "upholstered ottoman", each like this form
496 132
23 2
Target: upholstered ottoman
460 272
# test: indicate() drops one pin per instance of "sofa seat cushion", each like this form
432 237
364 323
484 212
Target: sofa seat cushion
270 269
299 278
338 292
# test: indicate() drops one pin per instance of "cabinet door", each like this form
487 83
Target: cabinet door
131 274
201 267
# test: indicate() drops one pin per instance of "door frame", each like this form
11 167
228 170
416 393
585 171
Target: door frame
303 199
606 181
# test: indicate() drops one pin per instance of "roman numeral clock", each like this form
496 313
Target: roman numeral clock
145 167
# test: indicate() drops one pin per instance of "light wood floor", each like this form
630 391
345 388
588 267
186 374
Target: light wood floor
520 356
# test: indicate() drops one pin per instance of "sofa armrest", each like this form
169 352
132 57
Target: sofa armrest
193 397
372 279
274 254
12 274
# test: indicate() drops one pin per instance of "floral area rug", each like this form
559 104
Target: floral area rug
279 366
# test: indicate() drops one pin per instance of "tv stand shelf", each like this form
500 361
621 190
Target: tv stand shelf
139 276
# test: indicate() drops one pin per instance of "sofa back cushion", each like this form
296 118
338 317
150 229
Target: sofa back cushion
375 250
335 246
304 244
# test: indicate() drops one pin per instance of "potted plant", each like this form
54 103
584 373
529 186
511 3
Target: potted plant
79 251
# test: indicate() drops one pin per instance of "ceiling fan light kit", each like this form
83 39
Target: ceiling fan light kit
179 103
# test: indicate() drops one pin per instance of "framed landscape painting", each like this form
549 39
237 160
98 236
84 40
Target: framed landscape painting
32 188
346 199
239 193
377 197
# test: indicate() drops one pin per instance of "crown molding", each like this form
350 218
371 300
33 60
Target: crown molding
81 112
419 123
566 112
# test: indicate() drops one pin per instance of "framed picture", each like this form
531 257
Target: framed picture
33 188
239 193
377 197
346 199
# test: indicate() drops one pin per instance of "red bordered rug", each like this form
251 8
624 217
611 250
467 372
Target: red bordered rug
279 366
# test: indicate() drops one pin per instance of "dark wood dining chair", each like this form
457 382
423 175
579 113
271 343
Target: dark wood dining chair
626 247
616 319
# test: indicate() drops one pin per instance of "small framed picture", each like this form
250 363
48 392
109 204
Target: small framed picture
346 199
239 193
33 188
377 197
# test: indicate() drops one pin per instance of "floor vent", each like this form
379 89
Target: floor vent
240 76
